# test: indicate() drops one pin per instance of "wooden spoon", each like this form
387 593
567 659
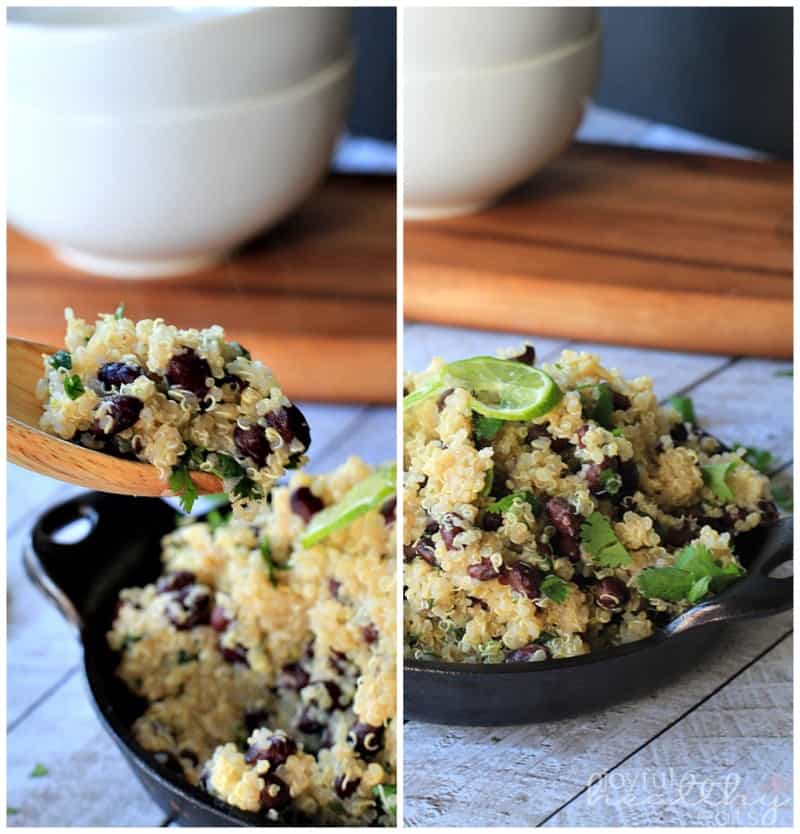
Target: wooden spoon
47 454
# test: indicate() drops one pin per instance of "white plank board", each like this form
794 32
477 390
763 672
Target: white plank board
727 763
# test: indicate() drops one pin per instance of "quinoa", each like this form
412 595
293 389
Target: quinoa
548 538
269 668
178 399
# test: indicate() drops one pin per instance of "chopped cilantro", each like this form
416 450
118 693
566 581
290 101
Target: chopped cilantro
185 657
783 497
39 771
603 406
181 483
387 796
715 474
759 459
73 387
215 519
227 467
546 636
504 504
120 311
784 372
272 567
698 561
617 432
246 488
599 538
555 588
671 584
611 481
685 408
486 428
129 640
488 484
61 359
694 575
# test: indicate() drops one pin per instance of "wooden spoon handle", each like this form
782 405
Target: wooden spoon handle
47 455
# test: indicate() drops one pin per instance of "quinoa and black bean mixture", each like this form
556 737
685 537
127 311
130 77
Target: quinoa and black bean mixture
553 511
178 399
266 652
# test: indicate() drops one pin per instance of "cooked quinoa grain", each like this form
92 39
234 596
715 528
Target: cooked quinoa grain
178 399
576 529
269 668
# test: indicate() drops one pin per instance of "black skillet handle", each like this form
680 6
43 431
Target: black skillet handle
757 594
76 576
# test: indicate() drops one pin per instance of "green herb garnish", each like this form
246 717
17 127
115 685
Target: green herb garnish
387 796
185 657
611 481
488 483
759 459
486 428
685 408
604 406
555 588
73 387
247 488
670 584
599 538
215 519
120 311
503 505
61 359
226 467
39 771
181 483
272 566
714 476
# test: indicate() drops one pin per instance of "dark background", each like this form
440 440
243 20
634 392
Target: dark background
724 72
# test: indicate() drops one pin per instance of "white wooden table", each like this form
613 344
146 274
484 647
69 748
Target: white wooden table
50 718
714 747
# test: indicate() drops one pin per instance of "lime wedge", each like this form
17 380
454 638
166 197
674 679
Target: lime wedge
503 389
366 495
431 387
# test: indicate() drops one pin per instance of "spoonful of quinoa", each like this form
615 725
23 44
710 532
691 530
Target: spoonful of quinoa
181 411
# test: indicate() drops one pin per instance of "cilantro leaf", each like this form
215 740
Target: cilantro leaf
555 588
759 459
387 796
61 359
504 504
73 387
782 496
486 428
685 408
272 567
603 408
226 467
715 474
120 311
611 481
181 483
599 538
39 771
215 519
699 589
671 584
488 484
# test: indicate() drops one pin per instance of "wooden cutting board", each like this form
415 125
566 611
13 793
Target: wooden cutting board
624 246
314 298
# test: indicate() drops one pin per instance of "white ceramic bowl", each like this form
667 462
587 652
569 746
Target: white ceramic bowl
153 196
471 136
118 61
445 39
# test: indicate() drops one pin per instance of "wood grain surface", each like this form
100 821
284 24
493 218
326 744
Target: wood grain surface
620 245
314 298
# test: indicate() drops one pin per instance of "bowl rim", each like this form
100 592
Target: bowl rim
328 76
585 44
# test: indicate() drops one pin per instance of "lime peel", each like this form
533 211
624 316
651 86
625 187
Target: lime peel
366 495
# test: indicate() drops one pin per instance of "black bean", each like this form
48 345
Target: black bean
252 443
219 619
370 633
524 579
491 522
594 475
333 586
293 676
432 526
610 593
334 694
253 719
450 528
388 509
275 750
114 374
560 444
425 549
483 570
680 535
123 410
175 581
275 795
235 382
568 547
629 472
309 722
190 372
344 786
527 357
191 756
769 512
679 434
234 654
481 603
194 608
305 504
621 402
365 739
533 652
563 517
290 425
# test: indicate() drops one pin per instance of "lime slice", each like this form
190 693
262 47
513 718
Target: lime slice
366 495
431 387
502 388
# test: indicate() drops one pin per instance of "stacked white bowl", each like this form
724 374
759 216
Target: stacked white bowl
147 142
490 95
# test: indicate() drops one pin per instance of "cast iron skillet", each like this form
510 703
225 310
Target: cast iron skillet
523 693
120 550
